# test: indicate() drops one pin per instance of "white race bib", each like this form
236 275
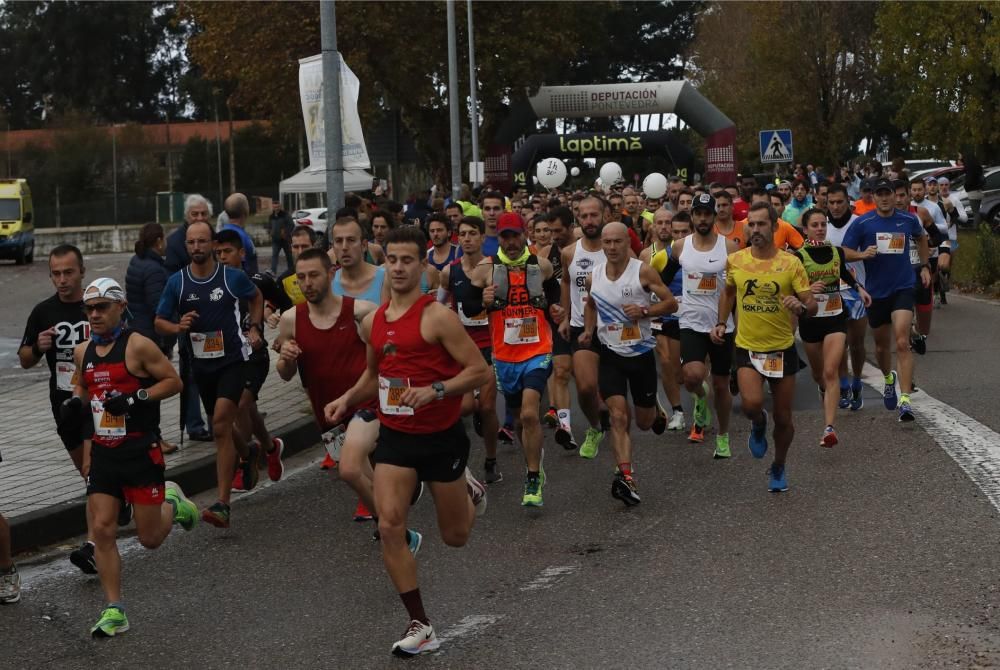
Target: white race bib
701 283
522 330
208 345
480 319
830 304
333 439
65 375
622 334
890 243
106 425
914 255
770 364
389 393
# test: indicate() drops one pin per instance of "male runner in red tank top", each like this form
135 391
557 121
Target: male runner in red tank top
420 363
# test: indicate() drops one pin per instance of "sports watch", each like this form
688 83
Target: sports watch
142 395
439 389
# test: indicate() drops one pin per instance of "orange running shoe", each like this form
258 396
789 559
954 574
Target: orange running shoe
697 433
362 513
328 463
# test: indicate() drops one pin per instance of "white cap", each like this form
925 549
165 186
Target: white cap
943 180
104 288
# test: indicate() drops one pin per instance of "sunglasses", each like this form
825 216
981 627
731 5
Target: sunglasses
97 308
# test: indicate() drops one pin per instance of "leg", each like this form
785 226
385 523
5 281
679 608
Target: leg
153 523
856 340
5 556
694 374
559 394
531 429
455 512
751 393
104 517
621 442
193 422
76 455
814 354
723 401
488 415
902 321
832 356
355 466
585 371
227 445
393 487
275 248
883 346
668 372
287 246
783 392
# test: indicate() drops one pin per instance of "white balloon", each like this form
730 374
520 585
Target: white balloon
575 172
551 173
611 173
654 185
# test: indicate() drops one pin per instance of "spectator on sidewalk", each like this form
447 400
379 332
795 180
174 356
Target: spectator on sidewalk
237 209
281 235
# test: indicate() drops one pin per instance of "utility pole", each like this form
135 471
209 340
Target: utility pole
333 138
473 85
218 145
456 146
114 171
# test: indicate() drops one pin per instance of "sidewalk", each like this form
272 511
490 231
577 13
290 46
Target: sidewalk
41 493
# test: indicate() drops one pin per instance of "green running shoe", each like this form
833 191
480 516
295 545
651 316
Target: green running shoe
722 446
702 413
532 492
185 511
591 442
112 622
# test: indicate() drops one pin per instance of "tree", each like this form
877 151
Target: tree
945 62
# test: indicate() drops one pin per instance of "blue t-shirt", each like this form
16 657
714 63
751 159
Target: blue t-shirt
889 271
250 259
491 245
217 337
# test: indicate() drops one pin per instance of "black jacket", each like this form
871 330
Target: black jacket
177 255
144 281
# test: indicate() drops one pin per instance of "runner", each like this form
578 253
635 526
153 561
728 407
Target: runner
125 376
442 250
766 283
934 224
725 225
517 288
420 363
561 227
55 327
619 307
825 334
303 237
578 261
207 296
457 289
956 214
492 205
887 235
357 278
701 258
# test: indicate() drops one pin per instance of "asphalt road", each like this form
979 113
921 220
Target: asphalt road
883 554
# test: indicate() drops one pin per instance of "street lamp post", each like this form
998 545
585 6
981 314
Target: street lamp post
473 85
456 147
333 138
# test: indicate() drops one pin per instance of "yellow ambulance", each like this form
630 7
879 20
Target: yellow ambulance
17 238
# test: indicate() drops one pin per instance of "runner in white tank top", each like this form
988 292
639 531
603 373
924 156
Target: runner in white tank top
580 269
703 278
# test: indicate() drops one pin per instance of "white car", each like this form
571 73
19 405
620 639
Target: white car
314 218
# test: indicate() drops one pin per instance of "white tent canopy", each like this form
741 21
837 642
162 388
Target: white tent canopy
315 182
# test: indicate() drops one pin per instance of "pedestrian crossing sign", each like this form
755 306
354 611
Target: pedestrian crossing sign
776 146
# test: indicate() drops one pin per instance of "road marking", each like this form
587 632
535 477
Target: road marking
985 301
549 576
469 626
975 447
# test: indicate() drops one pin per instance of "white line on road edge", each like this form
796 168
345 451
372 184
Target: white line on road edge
469 626
972 445
549 577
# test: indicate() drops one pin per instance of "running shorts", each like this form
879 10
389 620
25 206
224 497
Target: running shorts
814 330
617 374
133 473
670 328
257 374
227 382
789 360
695 346
437 457
560 347
853 305
514 378
574 343
881 309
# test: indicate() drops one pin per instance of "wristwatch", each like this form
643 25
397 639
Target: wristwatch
439 389
142 395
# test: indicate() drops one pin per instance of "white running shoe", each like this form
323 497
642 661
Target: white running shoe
676 421
477 491
419 639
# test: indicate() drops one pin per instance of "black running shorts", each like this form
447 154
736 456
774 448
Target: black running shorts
617 374
131 472
881 309
695 346
437 457
228 382
814 330
790 361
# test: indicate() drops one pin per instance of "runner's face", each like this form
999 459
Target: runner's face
724 209
816 228
229 255
778 203
632 204
66 274
349 245
885 201
661 225
542 235
103 315
560 233
759 230
438 233
784 190
197 214
402 261
902 199
512 244
470 238
379 228
299 244
673 190
944 189
616 202
680 229
917 192
591 219
837 202
615 243
684 202
492 209
747 186
314 280
199 243
800 192
703 220
932 188
454 215
821 198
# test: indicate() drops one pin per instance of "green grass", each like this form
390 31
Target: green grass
962 265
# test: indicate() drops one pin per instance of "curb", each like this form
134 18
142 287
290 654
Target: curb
60 522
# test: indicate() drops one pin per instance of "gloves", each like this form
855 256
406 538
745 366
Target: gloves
74 422
119 404
70 411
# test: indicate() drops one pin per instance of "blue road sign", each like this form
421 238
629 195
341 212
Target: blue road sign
776 146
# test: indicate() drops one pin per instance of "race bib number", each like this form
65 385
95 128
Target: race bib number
106 425
626 333
914 255
208 345
521 331
65 375
333 440
890 243
830 304
701 283
390 392
480 319
770 364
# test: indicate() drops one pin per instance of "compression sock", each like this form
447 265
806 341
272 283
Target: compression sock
564 421
414 605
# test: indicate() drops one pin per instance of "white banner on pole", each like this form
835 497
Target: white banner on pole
311 94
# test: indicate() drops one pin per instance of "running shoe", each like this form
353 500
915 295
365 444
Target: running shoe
845 397
623 487
83 558
477 491
829 437
889 398
591 443
532 492
778 483
676 421
185 511
722 447
250 472
857 399
734 384
918 343
217 515
605 420
124 514
238 480
564 438
419 639
112 622
505 435
275 466
361 512
660 422
551 418
757 442
10 586
697 434
905 411
491 473
413 540
328 463
702 412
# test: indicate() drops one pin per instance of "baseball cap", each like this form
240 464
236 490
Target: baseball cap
104 288
929 178
881 184
704 201
943 180
866 184
510 222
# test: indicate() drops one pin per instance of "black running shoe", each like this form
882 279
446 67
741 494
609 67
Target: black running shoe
624 489
124 514
83 558
918 343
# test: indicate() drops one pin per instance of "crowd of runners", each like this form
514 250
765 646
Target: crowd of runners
403 327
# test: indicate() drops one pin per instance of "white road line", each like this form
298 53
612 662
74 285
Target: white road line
549 576
469 626
975 447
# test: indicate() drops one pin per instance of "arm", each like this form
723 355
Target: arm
845 272
564 289
34 344
443 293
589 321
650 279
287 364
727 300
364 389
157 366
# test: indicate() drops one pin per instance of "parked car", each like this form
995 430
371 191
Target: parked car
956 177
17 236
315 219
989 210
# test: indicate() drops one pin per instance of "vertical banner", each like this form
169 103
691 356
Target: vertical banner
720 156
311 94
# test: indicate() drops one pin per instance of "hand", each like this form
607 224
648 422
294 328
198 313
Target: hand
718 334
70 410
489 295
44 342
290 351
273 319
557 313
632 311
925 276
870 252
120 404
866 298
817 287
792 303
335 411
85 468
187 321
417 396
585 339
253 336
564 329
